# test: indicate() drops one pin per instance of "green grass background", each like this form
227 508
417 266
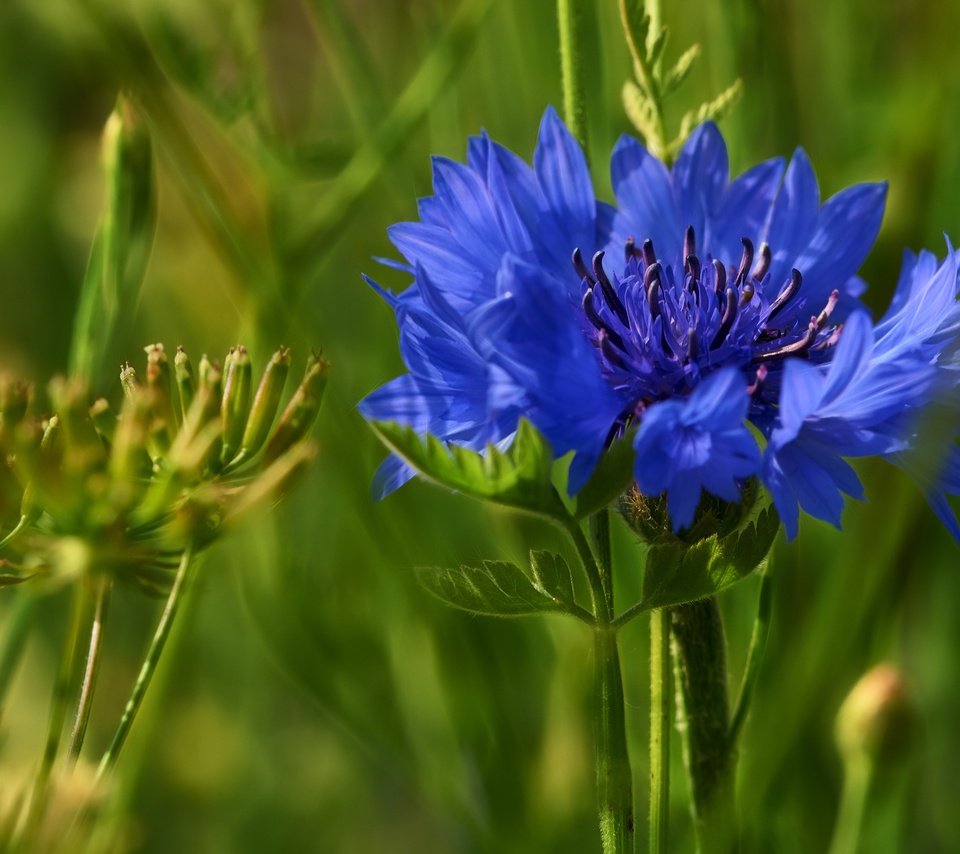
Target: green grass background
314 699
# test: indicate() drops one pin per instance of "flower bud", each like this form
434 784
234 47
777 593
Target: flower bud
103 419
266 402
130 463
301 411
128 379
84 449
186 384
210 393
159 382
877 719
236 401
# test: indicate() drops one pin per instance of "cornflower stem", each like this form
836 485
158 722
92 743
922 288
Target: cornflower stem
660 725
701 673
758 643
149 666
857 780
614 779
91 670
58 713
570 19
15 641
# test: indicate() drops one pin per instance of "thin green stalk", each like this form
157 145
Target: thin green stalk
660 722
149 665
91 670
614 779
758 643
857 780
570 20
58 713
15 641
701 668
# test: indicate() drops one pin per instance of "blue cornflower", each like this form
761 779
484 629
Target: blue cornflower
708 305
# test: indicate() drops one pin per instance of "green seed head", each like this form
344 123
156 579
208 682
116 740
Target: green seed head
266 402
236 401
301 411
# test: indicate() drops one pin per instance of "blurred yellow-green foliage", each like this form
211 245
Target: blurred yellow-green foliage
314 699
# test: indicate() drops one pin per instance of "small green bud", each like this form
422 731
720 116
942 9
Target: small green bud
128 379
130 464
266 402
877 719
186 383
301 411
210 392
84 449
236 401
159 382
103 419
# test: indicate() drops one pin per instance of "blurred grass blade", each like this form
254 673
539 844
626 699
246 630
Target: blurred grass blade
438 69
121 248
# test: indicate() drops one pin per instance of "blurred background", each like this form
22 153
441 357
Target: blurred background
314 699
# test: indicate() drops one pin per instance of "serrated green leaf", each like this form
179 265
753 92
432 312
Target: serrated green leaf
551 575
710 111
677 572
519 477
675 77
499 588
636 24
610 479
642 113
657 46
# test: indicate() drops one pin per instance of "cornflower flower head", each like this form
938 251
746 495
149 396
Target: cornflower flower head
698 316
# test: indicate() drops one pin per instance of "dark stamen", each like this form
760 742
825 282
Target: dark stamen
693 345
581 268
689 242
788 293
720 277
610 353
746 260
589 309
609 292
763 265
746 293
797 348
692 266
649 256
729 315
651 285
630 249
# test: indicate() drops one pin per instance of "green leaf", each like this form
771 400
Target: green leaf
678 572
642 112
610 479
656 47
675 77
551 575
710 111
501 589
10 580
519 477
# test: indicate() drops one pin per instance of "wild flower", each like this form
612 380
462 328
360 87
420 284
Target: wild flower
717 322
124 496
